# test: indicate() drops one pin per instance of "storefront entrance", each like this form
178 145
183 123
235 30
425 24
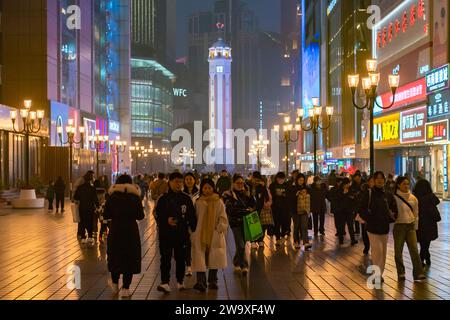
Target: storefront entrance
437 171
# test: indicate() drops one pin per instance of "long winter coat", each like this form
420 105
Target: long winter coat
217 258
428 212
124 207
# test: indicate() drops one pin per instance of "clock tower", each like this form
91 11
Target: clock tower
220 104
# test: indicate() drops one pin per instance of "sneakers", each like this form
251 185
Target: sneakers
420 278
164 288
308 247
297 245
200 287
125 293
181 286
237 269
114 287
244 271
188 272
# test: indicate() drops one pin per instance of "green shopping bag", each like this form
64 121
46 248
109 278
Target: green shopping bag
252 227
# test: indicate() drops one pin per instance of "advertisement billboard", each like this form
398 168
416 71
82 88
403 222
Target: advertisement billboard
437 132
410 93
412 125
60 115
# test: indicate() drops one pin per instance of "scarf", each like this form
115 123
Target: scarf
209 221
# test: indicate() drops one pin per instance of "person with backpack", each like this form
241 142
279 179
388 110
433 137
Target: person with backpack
176 220
429 217
406 225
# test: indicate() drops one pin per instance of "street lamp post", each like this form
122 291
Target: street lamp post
316 121
257 148
136 151
98 143
29 127
288 129
71 141
370 86
118 147
295 155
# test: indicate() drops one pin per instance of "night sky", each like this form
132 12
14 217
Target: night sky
268 12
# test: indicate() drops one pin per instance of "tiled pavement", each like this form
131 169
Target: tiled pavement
37 248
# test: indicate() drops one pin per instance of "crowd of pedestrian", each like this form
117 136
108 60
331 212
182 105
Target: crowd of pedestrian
194 214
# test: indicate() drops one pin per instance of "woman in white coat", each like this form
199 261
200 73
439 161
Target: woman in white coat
209 251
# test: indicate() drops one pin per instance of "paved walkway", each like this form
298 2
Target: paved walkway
37 248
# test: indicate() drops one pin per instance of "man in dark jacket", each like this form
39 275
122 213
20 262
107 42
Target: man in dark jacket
86 194
356 190
280 207
318 206
224 182
60 192
175 216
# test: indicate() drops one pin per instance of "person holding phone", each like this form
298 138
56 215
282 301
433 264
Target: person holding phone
176 219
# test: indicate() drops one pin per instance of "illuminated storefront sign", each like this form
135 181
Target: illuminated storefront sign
437 79
402 27
412 125
331 6
349 151
437 132
387 130
445 166
178 92
408 94
438 104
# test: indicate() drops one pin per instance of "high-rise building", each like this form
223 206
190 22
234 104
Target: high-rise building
75 66
233 21
153 28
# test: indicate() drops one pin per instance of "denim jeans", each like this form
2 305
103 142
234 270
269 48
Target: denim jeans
239 260
406 233
301 228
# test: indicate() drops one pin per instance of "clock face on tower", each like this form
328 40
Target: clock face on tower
219 69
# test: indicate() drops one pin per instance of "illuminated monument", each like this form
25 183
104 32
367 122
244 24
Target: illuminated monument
220 105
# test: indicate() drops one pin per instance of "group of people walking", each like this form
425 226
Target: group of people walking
193 217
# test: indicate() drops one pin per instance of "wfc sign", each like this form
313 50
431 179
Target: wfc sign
387 130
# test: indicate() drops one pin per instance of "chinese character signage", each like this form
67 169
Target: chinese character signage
387 130
408 94
437 79
445 165
438 104
412 125
437 132
403 27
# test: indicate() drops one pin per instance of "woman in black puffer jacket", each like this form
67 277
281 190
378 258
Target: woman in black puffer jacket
429 216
